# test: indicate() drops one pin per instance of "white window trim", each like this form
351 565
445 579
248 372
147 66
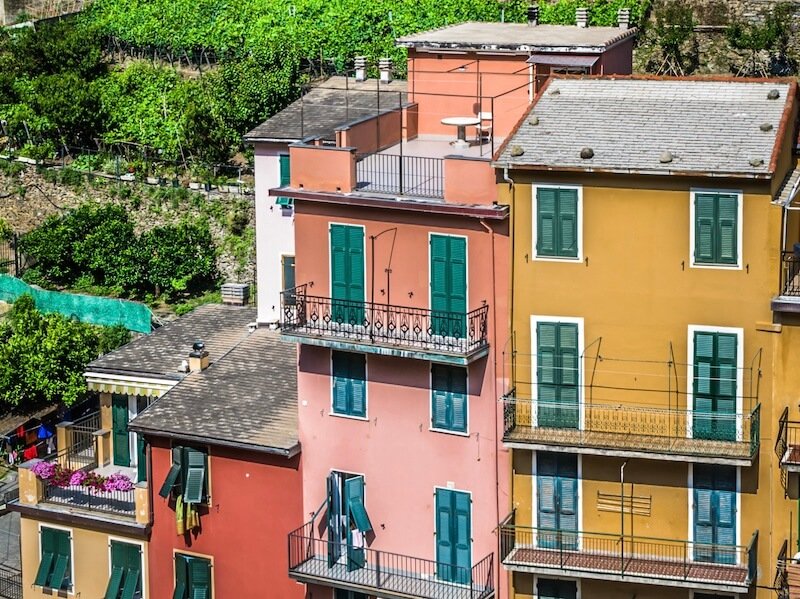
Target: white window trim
579 225
365 417
690 537
142 549
72 586
466 266
536 318
445 431
471 526
330 260
536 578
534 494
739 332
739 226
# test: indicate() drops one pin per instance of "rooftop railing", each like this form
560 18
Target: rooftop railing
383 324
631 427
387 574
614 555
401 175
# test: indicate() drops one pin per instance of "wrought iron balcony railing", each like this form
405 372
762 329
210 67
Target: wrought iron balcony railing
787 443
626 428
612 556
370 323
386 574
790 274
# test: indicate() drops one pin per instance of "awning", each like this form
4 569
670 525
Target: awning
563 60
126 386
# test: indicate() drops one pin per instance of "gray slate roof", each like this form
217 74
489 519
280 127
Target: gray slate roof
518 36
327 106
708 126
246 399
160 353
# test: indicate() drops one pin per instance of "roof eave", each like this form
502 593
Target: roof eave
286 452
621 171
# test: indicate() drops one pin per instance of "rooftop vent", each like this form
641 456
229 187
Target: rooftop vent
533 15
582 17
198 357
361 68
624 18
235 294
765 127
385 68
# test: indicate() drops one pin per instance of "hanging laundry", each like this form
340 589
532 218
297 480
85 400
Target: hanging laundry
30 453
180 524
51 444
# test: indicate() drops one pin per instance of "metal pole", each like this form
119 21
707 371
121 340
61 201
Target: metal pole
622 515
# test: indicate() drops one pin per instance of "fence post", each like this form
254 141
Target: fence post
378 569
17 261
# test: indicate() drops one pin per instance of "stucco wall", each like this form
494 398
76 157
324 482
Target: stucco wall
274 231
91 559
255 503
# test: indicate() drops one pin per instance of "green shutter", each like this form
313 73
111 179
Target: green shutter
126 560
704 223
358 385
119 425
347 274
45 565
448 282
53 569
567 223
569 375
716 228
462 537
181 576
114 582
59 579
195 475
173 476
341 382
354 492
349 384
715 386
546 201
727 225
547 374
355 247
449 399
440 397
141 458
285 180
453 536
199 578
557 499
334 509
459 399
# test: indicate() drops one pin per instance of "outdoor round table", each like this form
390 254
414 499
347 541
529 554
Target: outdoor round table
462 122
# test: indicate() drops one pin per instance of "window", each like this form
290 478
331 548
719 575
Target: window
56 556
349 384
715 513
192 577
448 282
347 274
557 227
287 270
449 403
284 181
716 228
188 475
551 588
714 385
125 581
453 535
557 375
348 520
557 501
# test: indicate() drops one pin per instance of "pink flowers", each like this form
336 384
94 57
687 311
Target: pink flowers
60 476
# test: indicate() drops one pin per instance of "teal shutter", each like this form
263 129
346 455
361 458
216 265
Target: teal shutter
285 179
349 384
726 374
341 382
339 285
727 228
448 281
546 201
453 536
347 274
440 296
49 549
141 459
355 247
458 285
181 576
173 476
358 384
715 513
704 225
449 399
557 499
126 567
357 515
114 582
557 374
334 519
195 475
568 223
715 386
199 578
119 425
56 555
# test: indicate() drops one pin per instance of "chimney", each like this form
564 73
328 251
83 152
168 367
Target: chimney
198 357
582 17
533 15
385 67
236 294
624 18
361 68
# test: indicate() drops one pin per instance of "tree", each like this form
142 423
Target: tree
43 356
674 30
764 42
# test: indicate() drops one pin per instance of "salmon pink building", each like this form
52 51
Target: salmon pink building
400 311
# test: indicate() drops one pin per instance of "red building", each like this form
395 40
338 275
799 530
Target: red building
225 471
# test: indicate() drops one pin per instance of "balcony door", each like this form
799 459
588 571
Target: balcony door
557 375
715 378
453 536
448 280
552 588
557 500
714 514
119 426
348 521
347 274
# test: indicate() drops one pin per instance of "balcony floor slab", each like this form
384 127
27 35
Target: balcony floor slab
655 447
696 575
395 585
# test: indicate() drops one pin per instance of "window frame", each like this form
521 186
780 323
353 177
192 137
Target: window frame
333 411
141 546
693 263
447 431
739 332
690 494
535 492
208 558
536 578
535 218
71 587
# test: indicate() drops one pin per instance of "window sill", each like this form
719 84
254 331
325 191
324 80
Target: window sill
575 259
715 266
445 431
349 417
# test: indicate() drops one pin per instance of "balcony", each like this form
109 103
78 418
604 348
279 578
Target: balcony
384 574
789 298
445 337
607 556
787 445
396 174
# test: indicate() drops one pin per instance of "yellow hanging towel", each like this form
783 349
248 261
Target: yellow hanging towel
179 515
192 517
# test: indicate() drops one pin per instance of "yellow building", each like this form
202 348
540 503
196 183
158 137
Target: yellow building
650 368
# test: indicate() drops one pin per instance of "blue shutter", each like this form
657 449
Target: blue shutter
463 537
459 399
715 513
358 385
334 520
440 397
546 200
546 501
444 542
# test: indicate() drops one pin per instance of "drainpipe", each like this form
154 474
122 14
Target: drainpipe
512 232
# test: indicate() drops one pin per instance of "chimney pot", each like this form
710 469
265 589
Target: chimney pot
624 18
533 15
198 357
582 17
361 68
385 68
